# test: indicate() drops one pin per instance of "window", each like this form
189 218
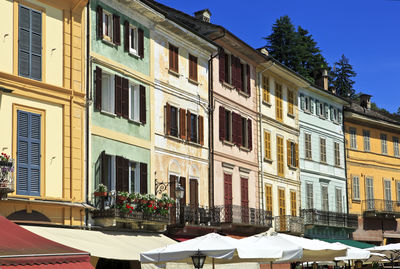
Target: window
133 40
369 193
384 143
325 198
193 128
318 108
311 105
322 147
227 67
266 90
321 110
278 102
353 138
228 124
398 190
387 189
307 103
107 25
174 121
396 146
268 198
337 153
30 43
339 201
309 195
290 102
235 129
334 114
307 144
293 203
279 152
28 153
134 107
282 202
192 67
244 197
292 154
326 111
367 146
244 132
267 145
107 94
173 58
356 188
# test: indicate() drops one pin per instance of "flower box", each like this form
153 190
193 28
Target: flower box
100 194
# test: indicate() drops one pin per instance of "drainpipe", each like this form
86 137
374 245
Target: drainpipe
260 178
87 108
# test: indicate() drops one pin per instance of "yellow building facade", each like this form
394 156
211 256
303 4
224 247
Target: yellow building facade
373 161
42 108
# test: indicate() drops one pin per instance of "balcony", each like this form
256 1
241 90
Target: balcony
375 207
289 224
314 217
6 175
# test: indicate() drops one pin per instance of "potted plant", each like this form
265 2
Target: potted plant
101 190
122 196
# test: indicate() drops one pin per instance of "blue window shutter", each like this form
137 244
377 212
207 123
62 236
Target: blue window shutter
28 153
30 43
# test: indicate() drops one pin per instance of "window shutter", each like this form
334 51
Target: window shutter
172 188
176 59
116 30
193 189
97 101
201 130
195 68
249 134
331 113
125 174
238 70
182 123
103 178
182 181
99 22
239 130
318 112
167 119
234 129
118 95
119 173
24 45
142 104
141 43
126 35
289 153
234 74
297 154
248 81
36 46
171 57
340 116
143 178
222 123
188 125
302 105
221 59
125 98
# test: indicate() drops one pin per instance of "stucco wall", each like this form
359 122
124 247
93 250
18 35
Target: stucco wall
7 36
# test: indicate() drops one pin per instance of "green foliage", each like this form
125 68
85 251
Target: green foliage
148 204
296 49
342 77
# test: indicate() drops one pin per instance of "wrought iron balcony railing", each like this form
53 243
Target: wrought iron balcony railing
6 177
289 224
381 206
329 218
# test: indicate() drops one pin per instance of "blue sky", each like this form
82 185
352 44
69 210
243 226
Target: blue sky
365 31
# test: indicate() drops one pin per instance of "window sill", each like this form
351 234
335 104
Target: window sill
135 122
228 85
338 166
228 143
133 54
194 144
322 117
291 115
195 82
174 73
308 159
323 162
108 113
307 112
176 138
268 160
244 94
291 167
356 201
244 149
108 41
266 103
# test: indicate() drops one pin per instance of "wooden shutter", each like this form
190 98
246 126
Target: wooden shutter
125 175
248 81
267 145
188 125
221 59
118 95
194 193
28 153
142 104
228 197
103 176
167 119
293 203
116 30
97 101
222 122
143 178
268 198
249 134
119 173
141 43
182 181
126 36
244 196
171 57
125 98
182 123
233 72
192 67
239 130
201 130
24 46
289 152
239 78
99 22
172 194
297 154
235 130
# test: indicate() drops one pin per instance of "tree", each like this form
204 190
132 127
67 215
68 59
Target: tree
295 49
342 77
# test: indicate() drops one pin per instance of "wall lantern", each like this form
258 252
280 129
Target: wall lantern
198 260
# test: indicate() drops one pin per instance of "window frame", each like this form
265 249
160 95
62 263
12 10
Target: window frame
336 147
135 50
228 126
293 203
228 68
174 65
396 150
325 198
384 147
111 89
267 145
193 63
339 199
290 102
367 140
268 198
309 196
110 26
194 136
245 135
356 188
353 137
177 129
280 159
278 102
266 90
322 150
308 151
135 88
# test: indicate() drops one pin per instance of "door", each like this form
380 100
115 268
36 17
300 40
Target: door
172 188
194 199
228 197
244 191
369 186
282 210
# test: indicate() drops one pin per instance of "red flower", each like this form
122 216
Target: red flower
149 206
154 207
127 206
130 211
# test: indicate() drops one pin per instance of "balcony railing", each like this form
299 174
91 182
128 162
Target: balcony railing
381 206
329 218
214 216
6 177
289 224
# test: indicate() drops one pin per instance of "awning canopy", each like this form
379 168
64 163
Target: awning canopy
349 242
105 244
20 247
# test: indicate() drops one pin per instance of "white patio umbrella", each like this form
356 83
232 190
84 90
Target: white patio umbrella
221 249
390 251
312 249
353 253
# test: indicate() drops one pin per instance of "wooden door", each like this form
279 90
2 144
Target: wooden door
244 190
172 188
282 209
194 200
228 197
